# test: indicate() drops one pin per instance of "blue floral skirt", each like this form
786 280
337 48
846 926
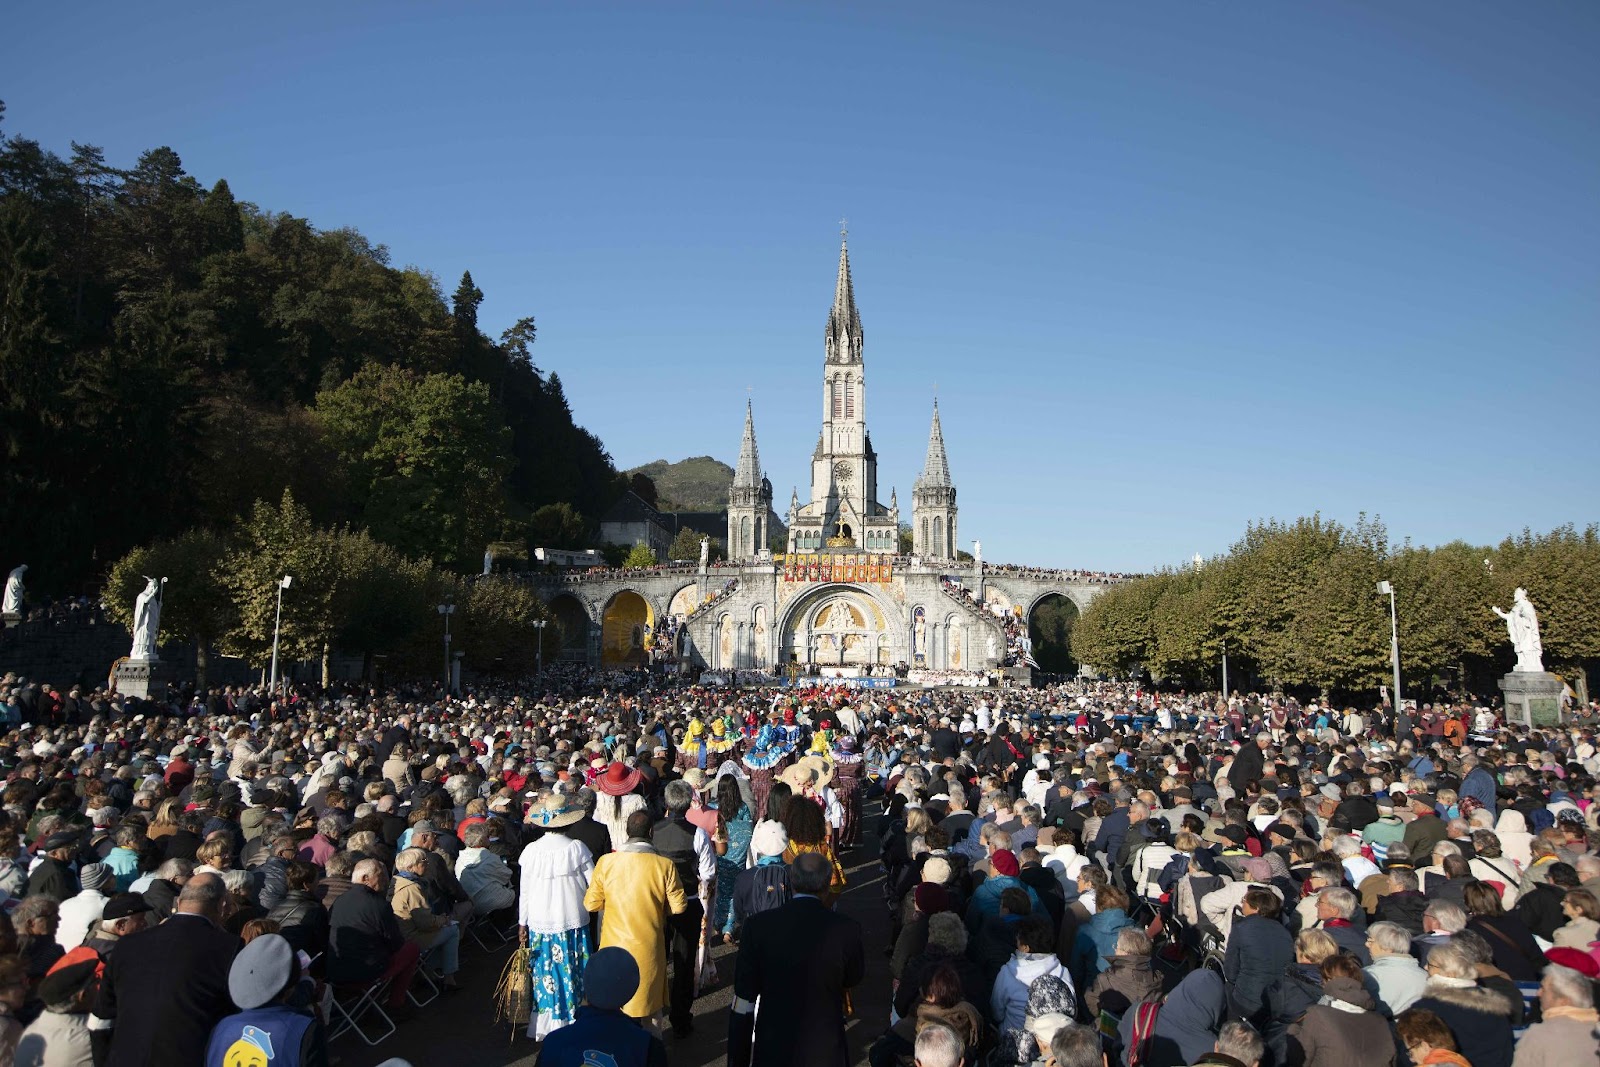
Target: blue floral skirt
557 962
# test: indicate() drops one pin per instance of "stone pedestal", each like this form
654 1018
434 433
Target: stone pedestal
10 619
142 678
1533 698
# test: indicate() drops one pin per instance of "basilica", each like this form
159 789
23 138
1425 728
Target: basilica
841 598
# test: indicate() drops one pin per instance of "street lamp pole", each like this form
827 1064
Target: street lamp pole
1394 640
1224 670
447 609
277 622
539 624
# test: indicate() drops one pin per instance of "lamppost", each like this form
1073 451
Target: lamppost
447 609
1224 670
539 625
1387 587
283 583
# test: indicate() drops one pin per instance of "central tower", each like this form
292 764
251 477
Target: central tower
843 512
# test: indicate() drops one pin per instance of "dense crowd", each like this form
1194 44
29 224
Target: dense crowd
1067 874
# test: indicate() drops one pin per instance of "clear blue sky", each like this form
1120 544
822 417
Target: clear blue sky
1173 266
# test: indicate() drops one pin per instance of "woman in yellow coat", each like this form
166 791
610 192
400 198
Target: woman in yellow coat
635 888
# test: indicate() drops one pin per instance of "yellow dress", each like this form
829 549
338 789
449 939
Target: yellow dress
635 890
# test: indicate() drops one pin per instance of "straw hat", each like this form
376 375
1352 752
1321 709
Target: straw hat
555 811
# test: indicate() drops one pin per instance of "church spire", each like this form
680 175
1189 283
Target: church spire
748 474
843 339
936 471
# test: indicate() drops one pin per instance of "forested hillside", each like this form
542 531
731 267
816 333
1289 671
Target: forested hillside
699 483
170 354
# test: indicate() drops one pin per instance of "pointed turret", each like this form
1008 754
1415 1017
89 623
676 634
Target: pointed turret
933 501
843 338
936 470
747 475
749 498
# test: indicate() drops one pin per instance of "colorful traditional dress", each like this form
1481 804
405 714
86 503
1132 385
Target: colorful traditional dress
555 876
762 763
729 864
836 885
847 771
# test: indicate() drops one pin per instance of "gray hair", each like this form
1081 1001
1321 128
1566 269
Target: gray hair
411 857
947 931
342 864
1240 1040
1568 986
679 795
1340 899
175 870
1391 937
1345 847
1132 941
331 825
1076 1046
475 835
939 1046
1453 960
1446 848
1451 917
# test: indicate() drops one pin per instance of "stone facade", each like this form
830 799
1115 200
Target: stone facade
841 596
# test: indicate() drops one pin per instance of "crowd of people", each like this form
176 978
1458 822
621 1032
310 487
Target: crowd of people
1080 874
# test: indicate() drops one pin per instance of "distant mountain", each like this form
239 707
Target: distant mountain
698 483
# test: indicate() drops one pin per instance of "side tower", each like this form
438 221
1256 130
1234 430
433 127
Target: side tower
933 501
749 498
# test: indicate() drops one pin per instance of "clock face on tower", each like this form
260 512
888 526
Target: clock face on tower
842 471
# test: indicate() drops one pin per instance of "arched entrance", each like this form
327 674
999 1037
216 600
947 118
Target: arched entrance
1050 623
625 629
836 626
572 624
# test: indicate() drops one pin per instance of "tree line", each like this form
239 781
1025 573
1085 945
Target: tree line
1296 605
170 355
350 592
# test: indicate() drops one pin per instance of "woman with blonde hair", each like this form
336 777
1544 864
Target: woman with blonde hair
165 823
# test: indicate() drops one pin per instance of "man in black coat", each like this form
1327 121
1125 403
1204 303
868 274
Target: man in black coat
1248 765
165 988
53 877
364 938
798 961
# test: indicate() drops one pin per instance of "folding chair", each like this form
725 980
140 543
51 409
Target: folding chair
428 979
484 926
351 1003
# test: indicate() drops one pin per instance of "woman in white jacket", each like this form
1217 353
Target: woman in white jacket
1035 957
483 874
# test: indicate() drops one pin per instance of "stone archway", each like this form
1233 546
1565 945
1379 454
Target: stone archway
1050 621
837 625
625 629
684 601
572 622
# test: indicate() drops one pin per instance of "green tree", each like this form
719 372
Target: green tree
640 556
497 626
558 526
195 605
426 456
276 541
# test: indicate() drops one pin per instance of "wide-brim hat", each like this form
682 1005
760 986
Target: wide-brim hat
555 812
618 780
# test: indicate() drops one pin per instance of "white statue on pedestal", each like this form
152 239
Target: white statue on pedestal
13 597
147 620
488 561
705 551
1523 625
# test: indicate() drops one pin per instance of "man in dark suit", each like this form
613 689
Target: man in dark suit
798 961
1249 765
165 988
